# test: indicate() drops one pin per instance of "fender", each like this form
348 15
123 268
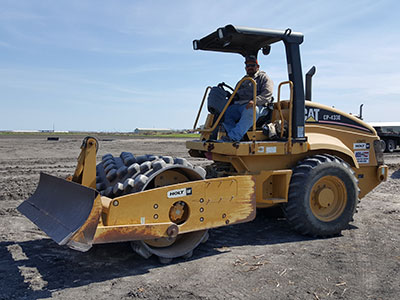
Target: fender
319 141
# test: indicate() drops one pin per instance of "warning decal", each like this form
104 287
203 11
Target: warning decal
362 157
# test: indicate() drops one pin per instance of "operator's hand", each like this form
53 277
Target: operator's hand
250 104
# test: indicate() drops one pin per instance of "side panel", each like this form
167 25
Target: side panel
272 187
316 113
323 142
211 203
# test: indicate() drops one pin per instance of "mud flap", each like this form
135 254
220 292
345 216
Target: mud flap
61 208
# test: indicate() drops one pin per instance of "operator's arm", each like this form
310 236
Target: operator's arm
265 88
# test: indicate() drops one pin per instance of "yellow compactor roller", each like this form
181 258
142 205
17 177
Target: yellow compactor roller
317 166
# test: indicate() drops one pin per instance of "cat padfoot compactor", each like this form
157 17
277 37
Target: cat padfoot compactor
317 166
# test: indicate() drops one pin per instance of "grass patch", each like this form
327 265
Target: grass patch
172 135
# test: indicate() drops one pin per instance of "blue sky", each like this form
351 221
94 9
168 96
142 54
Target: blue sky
117 65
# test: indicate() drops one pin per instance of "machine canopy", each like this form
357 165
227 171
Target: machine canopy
245 40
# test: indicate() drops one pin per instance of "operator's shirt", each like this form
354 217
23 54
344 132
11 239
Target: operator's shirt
264 90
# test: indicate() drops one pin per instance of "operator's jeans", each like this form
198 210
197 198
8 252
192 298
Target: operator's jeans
238 120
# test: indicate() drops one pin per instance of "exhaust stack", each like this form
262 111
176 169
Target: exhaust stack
309 76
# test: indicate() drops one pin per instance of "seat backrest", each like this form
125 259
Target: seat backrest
216 100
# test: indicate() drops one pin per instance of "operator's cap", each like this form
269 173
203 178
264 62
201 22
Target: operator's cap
251 58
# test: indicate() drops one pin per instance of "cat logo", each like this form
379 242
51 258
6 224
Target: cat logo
311 114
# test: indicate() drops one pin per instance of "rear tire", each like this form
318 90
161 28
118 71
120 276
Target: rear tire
390 146
384 145
323 195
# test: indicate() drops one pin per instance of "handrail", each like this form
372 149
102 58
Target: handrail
290 83
229 102
254 109
201 107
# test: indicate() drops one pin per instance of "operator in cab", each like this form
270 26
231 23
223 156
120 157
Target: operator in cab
239 115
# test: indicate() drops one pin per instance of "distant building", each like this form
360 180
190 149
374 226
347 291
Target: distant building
28 131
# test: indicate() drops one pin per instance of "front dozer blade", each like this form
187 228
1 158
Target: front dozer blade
60 208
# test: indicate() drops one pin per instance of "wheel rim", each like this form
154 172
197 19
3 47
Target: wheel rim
182 244
167 178
328 198
161 242
383 145
391 146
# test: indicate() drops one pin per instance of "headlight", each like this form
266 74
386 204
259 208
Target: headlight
379 147
220 33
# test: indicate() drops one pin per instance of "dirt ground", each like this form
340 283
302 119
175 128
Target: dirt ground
263 259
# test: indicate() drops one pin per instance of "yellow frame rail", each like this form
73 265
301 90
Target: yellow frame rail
290 112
